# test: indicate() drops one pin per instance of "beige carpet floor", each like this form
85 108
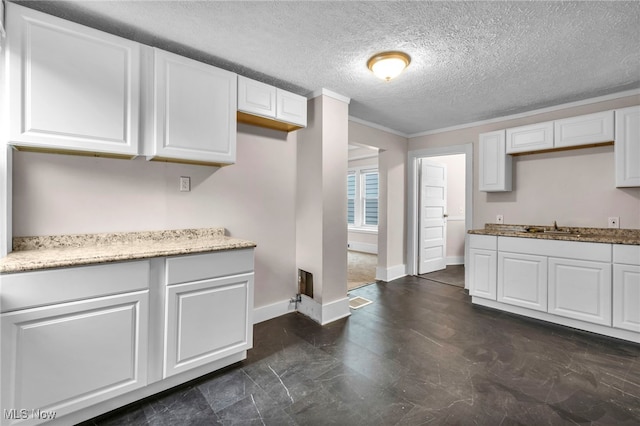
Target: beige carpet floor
361 269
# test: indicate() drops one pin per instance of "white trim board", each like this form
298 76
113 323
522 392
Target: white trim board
377 126
391 273
530 113
455 260
412 195
324 314
363 247
274 310
567 322
330 94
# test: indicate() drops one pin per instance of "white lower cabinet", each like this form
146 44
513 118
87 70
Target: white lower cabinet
626 297
626 287
589 286
522 280
482 266
78 342
63 357
206 321
580 290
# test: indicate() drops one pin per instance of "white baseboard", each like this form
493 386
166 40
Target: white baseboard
363 247
324 314
264 313
335 310
455 260
568 322
392 273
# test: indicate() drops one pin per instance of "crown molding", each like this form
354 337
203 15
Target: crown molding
330 94
377 126
530 113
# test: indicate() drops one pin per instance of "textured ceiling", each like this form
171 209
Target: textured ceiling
471 61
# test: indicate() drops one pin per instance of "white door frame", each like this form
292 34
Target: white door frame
412 196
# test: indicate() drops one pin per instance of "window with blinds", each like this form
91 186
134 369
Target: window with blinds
362 198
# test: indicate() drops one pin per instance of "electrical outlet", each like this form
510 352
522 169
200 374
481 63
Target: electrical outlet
500 219
614 222
185 184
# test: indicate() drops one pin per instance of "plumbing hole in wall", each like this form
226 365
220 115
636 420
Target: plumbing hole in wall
305 283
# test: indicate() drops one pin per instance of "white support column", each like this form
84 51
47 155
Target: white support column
321 203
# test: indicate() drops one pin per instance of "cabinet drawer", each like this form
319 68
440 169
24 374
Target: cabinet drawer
38 288
626 254
567 249
196 267
486 242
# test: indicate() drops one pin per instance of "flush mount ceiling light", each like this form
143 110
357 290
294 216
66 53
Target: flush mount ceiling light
388 65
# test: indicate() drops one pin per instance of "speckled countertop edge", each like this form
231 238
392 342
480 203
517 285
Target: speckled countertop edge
591 235
36 253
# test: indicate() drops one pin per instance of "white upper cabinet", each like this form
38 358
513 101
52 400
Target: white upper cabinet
627 147
263 105
255 97
584 130
194 111
495 164
291 108
71 88
533 137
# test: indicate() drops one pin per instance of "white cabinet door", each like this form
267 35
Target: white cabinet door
255 97
482 274
533 137
626 297
194 106
522 280
72 355
291 108
584 130
627 147
71 88
206 321
580 290
495 164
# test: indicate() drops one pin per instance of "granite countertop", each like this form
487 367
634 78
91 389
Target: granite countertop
592 235
34 253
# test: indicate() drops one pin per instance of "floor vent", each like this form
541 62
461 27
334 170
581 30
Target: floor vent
358 302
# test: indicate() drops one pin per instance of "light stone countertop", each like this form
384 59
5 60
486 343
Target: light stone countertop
591 235
35 253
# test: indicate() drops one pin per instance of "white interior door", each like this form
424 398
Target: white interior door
433 217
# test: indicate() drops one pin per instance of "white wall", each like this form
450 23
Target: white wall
455 205
576 188
254 199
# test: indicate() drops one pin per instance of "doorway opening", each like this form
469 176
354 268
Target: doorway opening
362 215
440 212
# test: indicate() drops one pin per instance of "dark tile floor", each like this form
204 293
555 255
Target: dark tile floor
452 275
420 354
